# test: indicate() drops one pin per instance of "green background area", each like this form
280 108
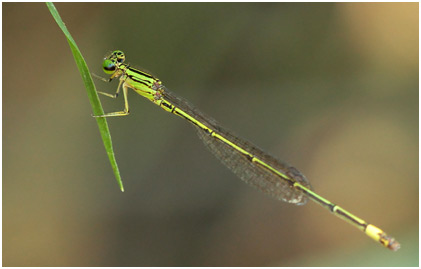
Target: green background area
329 88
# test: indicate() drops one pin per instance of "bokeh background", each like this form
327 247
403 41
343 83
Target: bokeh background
330 88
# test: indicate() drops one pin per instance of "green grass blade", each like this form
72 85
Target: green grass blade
92 94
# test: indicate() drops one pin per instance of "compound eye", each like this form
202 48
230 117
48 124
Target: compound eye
109 66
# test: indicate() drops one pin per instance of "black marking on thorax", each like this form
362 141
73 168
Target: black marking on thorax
138 80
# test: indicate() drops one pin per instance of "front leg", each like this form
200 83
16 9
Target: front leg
125 112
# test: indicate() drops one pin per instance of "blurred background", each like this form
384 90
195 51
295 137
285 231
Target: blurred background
330 88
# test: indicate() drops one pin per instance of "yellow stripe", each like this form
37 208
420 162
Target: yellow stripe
371 230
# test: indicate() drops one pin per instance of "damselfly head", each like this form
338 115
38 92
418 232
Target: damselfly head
111 62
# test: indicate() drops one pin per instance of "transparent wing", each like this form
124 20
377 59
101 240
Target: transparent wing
253 174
